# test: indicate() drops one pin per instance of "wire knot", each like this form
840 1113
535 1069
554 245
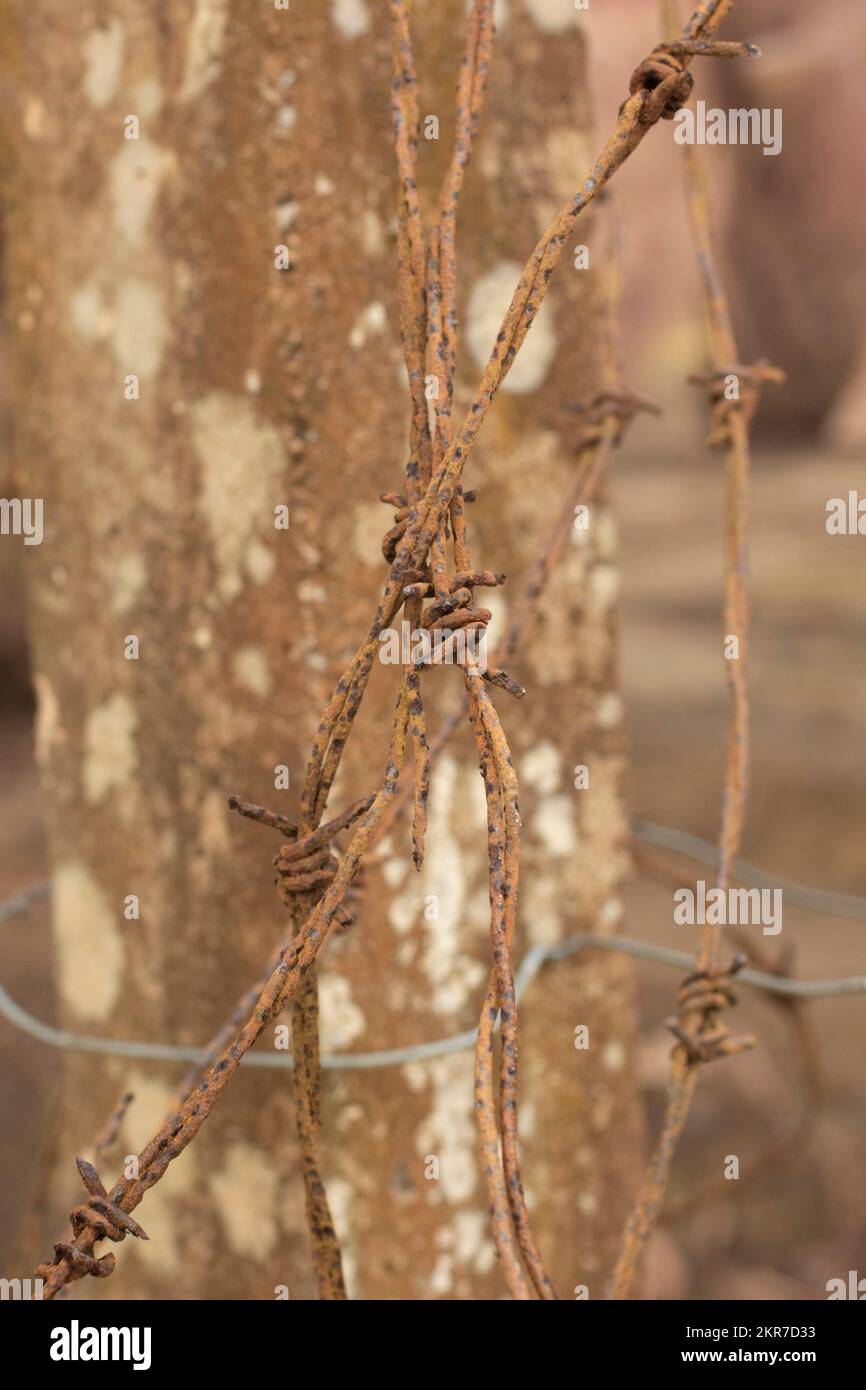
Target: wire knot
99 1214
403 515
698 1028
733 391
618 407
667 82
298 872
307 865
664 81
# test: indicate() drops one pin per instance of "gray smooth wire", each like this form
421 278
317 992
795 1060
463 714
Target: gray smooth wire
813 899
535 958
13 907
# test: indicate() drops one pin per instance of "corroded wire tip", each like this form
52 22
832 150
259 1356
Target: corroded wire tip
474 579
274 819
708 1047
706 48
91 1179
496 676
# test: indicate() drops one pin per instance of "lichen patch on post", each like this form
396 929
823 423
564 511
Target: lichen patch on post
367 532
609 710
452 972
603 586
541 768
110 757
351 17
90 315
260 562
151 1101
139 328
341 1196
541 910
242 466
49 732
246 1191
34 117
87 935
372 233
125 575
250 669
204 46
569 152
103 62
147 98
553 16
473 1245
342 1021
371 322
214 836
448 1129
488 302
134 177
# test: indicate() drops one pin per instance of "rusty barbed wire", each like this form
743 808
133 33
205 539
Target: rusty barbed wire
305 867
699 1026
418 557
73 1261
107 1136
642 109
605 420
813 1084
429 308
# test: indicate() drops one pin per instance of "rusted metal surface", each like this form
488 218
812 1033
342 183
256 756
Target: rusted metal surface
107 1136
430 305
699 1027
431 520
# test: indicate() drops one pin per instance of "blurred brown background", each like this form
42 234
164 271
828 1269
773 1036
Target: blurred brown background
792 231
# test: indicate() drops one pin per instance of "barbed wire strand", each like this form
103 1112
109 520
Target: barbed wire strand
429 311
106 1215
799 1018
706 992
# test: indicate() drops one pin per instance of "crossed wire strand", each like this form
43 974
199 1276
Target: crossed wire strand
433 504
